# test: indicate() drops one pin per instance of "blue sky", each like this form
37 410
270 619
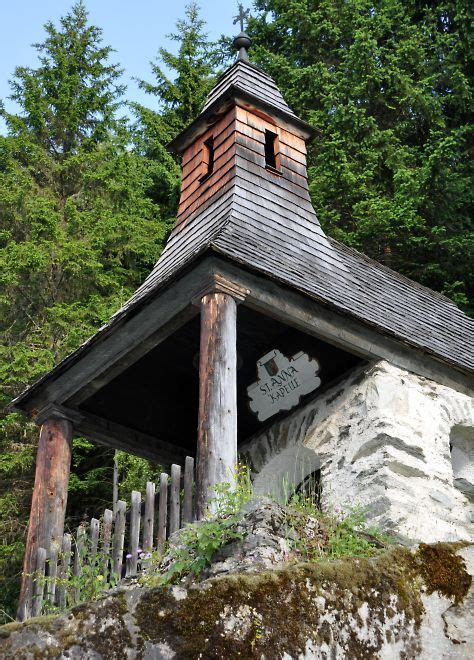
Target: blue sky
135 28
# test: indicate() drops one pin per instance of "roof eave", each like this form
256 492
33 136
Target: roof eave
21 402
233 94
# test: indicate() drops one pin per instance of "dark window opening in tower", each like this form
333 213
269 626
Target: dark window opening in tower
271 141
208 158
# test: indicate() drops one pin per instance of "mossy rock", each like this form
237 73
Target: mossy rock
346 608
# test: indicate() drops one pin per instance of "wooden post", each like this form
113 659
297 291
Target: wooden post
115 484
48 505
95 529
39 584
78 561
105 541
52 577
135 515
64 572
174 498
118 540
217 427
188 490
162 511
149 519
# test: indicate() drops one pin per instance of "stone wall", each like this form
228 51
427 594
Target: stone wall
383 438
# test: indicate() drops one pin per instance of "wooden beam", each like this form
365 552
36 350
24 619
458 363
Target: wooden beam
310 316
48 506
217 426
117 436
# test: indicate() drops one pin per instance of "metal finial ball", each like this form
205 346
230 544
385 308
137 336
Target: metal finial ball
242 40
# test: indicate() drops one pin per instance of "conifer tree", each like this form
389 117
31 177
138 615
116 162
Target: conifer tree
179 96
69 102
78 233
388 88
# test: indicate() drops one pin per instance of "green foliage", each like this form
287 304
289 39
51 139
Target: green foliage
85 206
350 536
387 85
90 482
199 542
69 102
79 231
341 534
133 473
334 534
90 582
16 460
181 97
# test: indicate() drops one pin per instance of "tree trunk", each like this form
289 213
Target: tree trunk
48 505
217 427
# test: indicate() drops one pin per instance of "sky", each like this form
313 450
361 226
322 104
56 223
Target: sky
134 28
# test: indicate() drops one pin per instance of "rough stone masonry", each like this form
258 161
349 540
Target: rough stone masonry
398 443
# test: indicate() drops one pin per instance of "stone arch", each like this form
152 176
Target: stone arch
461 443
281 475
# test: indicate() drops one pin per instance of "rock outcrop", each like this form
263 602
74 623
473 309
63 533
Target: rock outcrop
257 600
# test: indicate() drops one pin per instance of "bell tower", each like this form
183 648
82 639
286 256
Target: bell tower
244 156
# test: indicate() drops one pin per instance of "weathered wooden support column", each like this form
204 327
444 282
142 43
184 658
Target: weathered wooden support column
48 505
216 455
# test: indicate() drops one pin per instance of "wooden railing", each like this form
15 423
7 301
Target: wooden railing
100 549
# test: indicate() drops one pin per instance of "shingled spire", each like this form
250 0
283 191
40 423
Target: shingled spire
244 180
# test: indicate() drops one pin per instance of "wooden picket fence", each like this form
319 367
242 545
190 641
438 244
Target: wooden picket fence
103 549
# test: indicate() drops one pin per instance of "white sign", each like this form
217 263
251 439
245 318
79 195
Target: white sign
282 382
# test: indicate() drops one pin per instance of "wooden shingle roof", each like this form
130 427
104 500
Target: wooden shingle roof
268 235
268 224
245 77
264 221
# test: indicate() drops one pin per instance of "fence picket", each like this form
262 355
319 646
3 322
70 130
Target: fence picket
110 531
149 519
132 565
174 498
52 577
105 541
95 527
64 571
188 490
78 559
162 511
119 537
38 590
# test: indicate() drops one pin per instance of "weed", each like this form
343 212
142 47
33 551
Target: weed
85 584
199 542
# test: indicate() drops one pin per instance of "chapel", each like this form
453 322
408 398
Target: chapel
257 335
